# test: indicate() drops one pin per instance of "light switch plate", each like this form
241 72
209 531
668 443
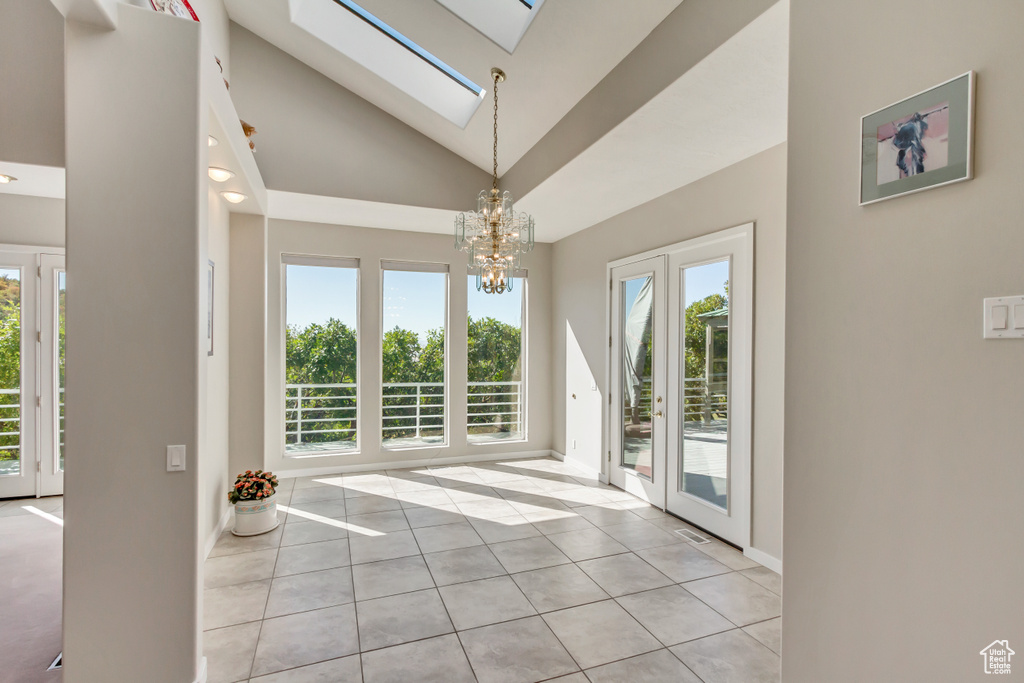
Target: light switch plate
175 458
1004 317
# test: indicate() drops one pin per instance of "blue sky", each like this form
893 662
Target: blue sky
701 281
412 301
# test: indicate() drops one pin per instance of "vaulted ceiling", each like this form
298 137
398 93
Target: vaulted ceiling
568 48
616 103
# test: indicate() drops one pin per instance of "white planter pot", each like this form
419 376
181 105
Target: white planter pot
254 517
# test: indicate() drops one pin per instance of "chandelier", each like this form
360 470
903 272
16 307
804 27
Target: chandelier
494 236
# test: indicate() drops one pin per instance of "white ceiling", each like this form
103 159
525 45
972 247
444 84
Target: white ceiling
729 106
33 180
569 48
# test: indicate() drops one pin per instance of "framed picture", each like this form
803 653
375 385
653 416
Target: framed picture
209 309
918 143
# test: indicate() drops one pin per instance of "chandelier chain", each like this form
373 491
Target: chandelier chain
495 182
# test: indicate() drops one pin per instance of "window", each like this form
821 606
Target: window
10 371
344 26
496 340
321 355
414 354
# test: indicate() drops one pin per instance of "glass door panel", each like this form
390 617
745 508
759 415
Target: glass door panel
704 452
636 434
18 413
636 327
10 372
710 382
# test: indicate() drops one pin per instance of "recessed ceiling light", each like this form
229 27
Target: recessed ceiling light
4 179
220 174
234 197
212 141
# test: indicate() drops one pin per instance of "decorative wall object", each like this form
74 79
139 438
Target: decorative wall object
249 131
179 8
918 143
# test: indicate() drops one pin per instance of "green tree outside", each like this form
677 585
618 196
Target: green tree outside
326 354
10 365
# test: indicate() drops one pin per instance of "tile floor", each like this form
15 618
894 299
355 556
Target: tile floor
516 571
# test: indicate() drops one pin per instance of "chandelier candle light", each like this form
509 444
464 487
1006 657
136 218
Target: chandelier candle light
494 236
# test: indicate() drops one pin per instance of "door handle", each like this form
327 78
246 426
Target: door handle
657 414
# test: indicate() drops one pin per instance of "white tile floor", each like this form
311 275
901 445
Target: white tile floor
516 571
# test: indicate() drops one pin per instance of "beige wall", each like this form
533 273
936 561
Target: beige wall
31 83
904 461
752 190
31 221
131 540
316 137
371 246
216 417
248 339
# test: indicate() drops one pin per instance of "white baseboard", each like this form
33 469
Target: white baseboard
211 540
201 676
763 558
583 468
403 464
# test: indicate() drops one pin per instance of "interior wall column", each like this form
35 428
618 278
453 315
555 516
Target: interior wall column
135 149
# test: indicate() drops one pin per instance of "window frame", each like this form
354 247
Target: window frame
397 265
522 277
289 259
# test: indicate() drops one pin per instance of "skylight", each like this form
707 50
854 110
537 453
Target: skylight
503 21
413 47
351 30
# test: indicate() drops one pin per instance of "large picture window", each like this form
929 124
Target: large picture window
496 341
414 354
321 355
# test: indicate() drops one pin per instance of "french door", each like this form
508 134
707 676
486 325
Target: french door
638 380
684 444
32 289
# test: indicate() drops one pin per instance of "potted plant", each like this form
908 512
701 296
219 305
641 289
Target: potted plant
253 496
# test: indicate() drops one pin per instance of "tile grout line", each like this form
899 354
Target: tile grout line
497 489
441 598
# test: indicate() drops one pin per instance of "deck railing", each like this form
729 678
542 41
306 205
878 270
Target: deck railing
324 415
10 424
703 401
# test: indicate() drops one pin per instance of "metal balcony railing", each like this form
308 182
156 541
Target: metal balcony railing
321 417
703 401
10 423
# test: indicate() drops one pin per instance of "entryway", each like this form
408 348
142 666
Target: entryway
680 362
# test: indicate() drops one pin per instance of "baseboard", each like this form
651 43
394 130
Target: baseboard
763 558
403 464
201 676
584 469
211 540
